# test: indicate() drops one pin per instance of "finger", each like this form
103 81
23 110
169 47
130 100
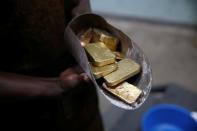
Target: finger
85 77
73 70
68 72
73 80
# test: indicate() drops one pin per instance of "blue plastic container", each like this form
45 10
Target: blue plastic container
168 117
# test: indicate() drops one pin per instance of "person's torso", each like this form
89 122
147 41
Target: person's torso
31 34
32 43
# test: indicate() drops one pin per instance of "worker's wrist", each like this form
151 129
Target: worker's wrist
53 88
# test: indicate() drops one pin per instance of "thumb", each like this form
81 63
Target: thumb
71 78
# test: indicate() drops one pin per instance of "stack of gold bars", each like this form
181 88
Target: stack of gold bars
110 65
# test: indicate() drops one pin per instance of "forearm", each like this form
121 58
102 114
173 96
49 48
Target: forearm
13 85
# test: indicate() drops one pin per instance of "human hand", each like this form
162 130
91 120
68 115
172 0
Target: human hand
72 77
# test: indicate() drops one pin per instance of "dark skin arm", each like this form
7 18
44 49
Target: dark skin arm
16 85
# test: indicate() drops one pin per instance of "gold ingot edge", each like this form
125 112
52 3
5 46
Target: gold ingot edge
103 63
109 40
103 70
125 91
123 72
86 37
119 55
98 50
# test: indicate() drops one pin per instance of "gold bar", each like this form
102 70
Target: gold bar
102 71
125 91
119 55
86 37
103 36
126 69
99 54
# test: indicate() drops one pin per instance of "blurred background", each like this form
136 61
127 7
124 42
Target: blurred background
166 30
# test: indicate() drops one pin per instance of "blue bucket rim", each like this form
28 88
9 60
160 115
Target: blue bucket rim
178 108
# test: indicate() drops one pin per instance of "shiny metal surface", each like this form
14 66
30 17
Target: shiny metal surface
99 54
103 70
125 91
105 37
126 69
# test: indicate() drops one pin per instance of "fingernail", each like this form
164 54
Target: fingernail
85 77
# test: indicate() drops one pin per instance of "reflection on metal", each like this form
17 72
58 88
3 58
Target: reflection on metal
125 91
100 54
126 69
